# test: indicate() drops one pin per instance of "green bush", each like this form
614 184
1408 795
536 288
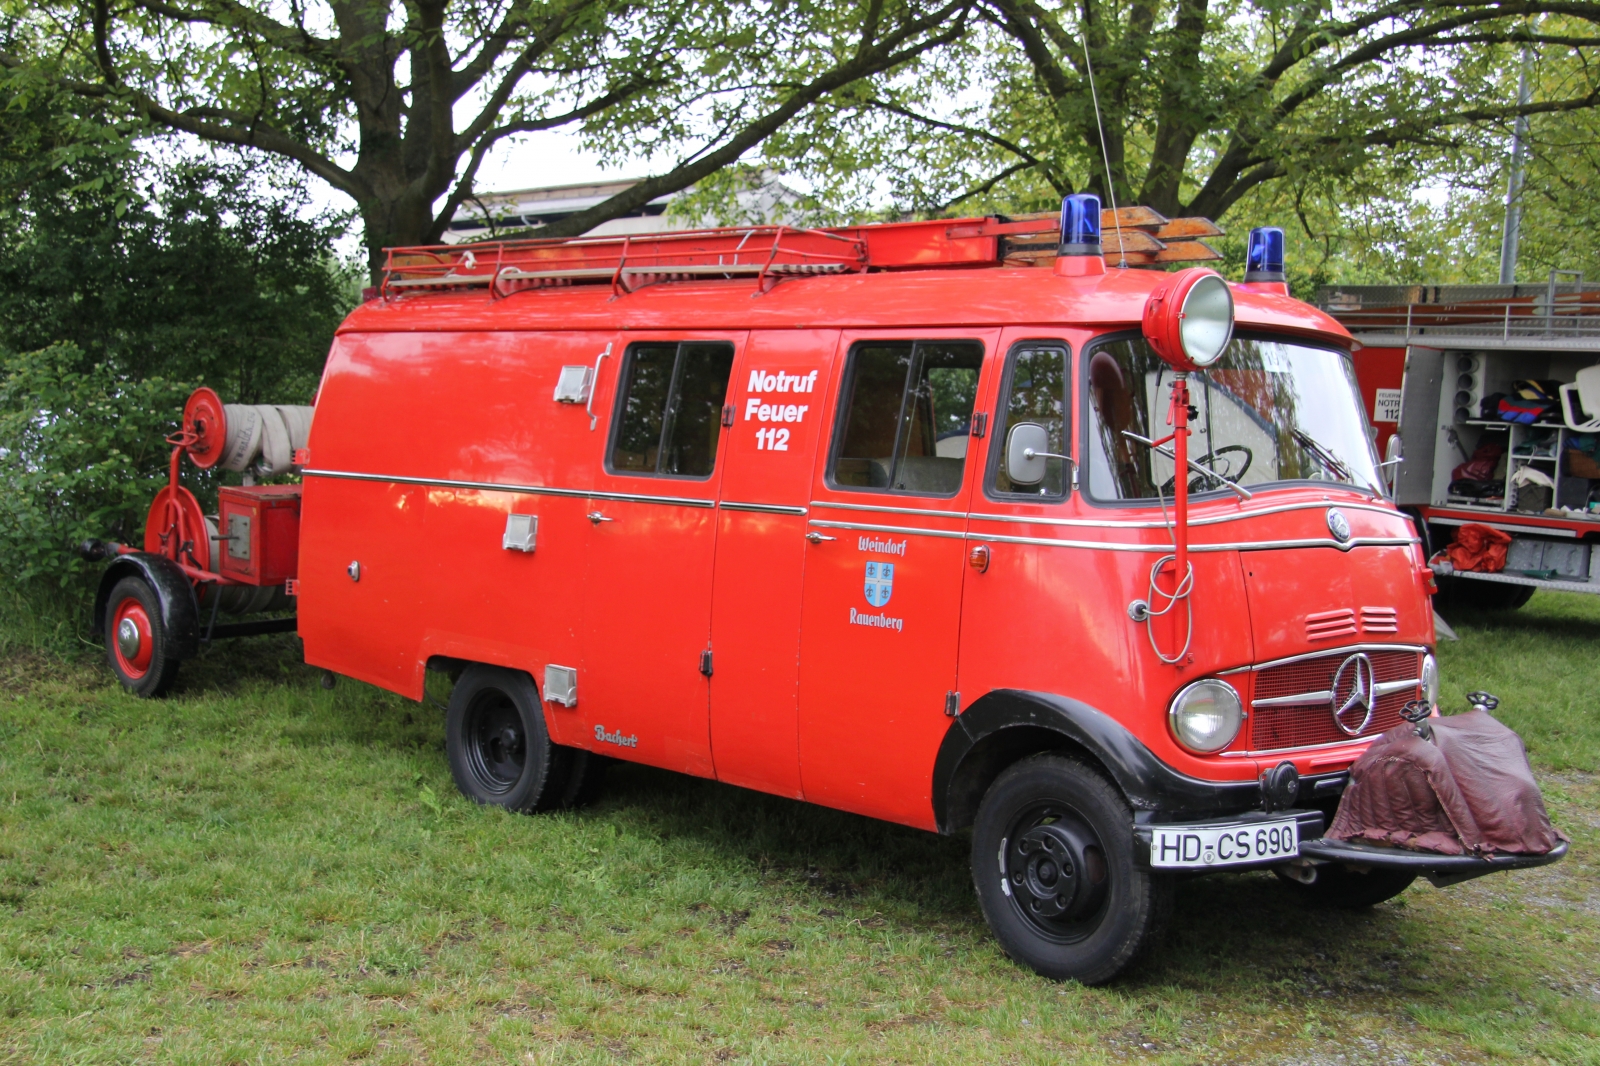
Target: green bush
82 452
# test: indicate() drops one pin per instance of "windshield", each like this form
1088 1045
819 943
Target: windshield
1266 411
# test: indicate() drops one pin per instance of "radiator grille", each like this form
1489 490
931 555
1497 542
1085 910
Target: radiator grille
1272 728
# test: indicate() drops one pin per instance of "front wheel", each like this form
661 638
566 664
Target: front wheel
137 643
1052 860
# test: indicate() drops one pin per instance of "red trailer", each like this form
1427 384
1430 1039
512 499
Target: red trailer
1433 362
910 520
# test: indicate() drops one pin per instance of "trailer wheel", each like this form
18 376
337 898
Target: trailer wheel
499 750
137 645
1338 886
1052 860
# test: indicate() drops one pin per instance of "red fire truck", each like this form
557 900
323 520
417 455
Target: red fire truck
945 523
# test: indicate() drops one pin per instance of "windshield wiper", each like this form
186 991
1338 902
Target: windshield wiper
1328 459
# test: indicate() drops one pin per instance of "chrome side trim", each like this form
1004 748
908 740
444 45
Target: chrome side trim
888 510
528 490
1242 546
1311 699
1103 523
1323 654
954 535
761 508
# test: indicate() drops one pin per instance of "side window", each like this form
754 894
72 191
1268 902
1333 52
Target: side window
669 409
1035 392
906 416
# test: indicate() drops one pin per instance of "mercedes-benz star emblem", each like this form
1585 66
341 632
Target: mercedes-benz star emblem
1354 690
1338 525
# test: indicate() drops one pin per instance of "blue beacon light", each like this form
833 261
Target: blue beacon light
1080 225
1264 255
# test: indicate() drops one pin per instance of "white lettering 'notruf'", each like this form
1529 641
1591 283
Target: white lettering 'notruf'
616 738
767 381
877 621
882 547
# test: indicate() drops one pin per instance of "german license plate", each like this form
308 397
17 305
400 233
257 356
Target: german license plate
1209 847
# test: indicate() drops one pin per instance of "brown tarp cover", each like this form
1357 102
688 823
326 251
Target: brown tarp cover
1468 791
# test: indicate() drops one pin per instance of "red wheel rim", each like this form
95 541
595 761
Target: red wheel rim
132 646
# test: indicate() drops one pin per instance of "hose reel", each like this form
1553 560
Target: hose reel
258 438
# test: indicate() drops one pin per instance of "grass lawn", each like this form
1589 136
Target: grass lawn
258 870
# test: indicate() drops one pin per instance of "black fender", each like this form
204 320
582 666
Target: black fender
180 608
1005 725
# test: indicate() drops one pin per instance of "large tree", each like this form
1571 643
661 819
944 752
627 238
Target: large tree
397 104
1201 102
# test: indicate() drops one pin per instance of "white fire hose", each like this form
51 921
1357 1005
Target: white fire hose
264 437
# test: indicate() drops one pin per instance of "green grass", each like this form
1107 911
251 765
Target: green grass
258 870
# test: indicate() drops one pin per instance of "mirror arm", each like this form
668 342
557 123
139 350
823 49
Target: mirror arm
1391 462
1243 493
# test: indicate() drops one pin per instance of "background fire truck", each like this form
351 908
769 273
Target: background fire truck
1434 362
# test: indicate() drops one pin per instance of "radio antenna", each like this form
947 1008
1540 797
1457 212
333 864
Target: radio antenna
1111 185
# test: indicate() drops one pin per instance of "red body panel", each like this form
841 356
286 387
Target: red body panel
761 558
436 419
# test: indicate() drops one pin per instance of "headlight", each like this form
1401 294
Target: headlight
1430 680
1206 716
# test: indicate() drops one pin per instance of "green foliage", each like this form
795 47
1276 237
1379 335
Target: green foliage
83 455
199 274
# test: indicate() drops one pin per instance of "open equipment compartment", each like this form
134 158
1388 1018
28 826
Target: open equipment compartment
1430 356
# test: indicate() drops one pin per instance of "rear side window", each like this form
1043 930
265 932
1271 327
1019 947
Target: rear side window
669 409
906 416
1035 392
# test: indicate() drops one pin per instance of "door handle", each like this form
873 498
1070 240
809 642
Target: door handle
596 517
817 538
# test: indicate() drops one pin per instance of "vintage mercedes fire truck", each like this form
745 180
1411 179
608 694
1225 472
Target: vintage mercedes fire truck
962 524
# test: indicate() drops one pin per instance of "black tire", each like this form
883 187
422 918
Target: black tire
500 751
137 644
1339 886
1045 815
1482 595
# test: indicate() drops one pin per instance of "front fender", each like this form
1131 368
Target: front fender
180 609
1009 724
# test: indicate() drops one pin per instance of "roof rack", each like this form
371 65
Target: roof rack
1136 236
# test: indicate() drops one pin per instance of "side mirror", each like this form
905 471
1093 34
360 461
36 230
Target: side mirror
1026 452
1391 451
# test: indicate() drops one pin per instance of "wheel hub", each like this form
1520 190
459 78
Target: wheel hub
1057 872
128 641
505 745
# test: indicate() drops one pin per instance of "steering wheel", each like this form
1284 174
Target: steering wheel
1228 473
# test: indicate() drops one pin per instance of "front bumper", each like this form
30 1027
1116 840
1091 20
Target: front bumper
1442 870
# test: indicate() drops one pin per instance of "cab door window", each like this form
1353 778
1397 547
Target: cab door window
1035 391
906 415
669 409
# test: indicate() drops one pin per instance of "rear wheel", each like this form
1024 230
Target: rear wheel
1052 860
500 752
1341 887
137 644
